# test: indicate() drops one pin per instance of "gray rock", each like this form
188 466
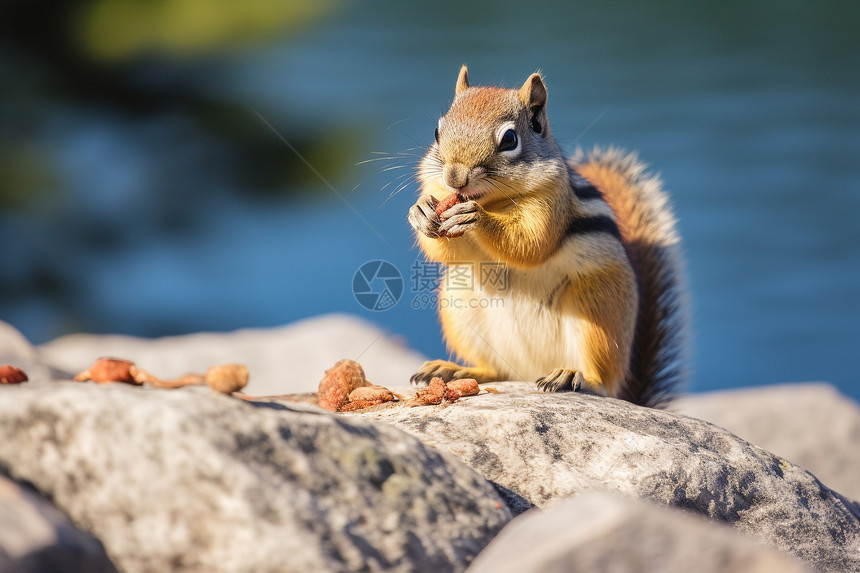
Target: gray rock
283 360
812 425
547 447
35 537
187 480
193 481
605 533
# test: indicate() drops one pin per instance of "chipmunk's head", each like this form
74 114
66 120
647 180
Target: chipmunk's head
492 142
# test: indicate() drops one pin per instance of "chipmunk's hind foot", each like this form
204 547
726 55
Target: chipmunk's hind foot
561 380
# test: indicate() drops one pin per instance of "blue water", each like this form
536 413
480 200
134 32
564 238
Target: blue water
750 111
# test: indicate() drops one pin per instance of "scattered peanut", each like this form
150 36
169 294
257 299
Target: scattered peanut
367 396
372 392
11 375
446 204
439 390
434 393
352 406
465 386
338 382
227 378
452 395
109 370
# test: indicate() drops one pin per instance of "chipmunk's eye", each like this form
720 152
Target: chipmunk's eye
508 141
436 135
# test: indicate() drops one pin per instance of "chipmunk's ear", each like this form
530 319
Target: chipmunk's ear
533 95
462 80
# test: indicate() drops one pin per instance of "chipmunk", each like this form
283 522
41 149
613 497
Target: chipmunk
587 272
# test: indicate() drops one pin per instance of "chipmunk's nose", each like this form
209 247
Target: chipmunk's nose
455 175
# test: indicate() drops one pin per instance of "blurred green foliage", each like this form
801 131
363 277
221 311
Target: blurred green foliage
114 30
114 130
24 176
138 61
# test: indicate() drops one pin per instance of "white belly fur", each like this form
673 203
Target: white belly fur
514 331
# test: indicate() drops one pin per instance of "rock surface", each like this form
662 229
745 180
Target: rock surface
281 360
194 481
598 531
37 538
186 480
547 447
811 425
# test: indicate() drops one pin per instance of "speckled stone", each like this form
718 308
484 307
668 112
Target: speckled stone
548 447
191 480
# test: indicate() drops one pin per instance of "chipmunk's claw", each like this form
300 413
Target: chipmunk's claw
445 370
560 380
423 217
448 371
460 218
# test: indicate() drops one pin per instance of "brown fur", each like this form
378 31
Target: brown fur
596 298
524 235
651 242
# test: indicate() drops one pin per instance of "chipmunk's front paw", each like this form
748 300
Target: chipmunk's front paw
561 379
423 216
460 218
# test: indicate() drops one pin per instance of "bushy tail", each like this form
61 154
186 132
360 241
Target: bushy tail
652 242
